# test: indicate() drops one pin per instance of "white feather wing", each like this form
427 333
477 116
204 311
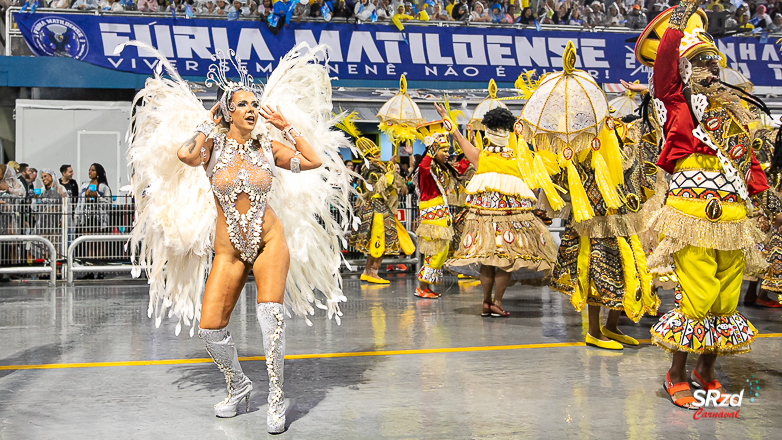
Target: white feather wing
314 205
175 221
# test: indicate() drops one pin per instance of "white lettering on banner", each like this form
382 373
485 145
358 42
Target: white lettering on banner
475 56
141 33
747 51
430 69
191 39
416 41
119 61
252 39
333 68
191 65
132 63
362 42
777 68
451 72
352 69
497 52
528 53
111 38
263 69
220 39
391 45
500 71
769 53
163 39
592 56
729 50
368 69
152 64
471 71
328 38
433 49
390 70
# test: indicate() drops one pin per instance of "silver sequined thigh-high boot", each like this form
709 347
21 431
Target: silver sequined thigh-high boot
221 348
273 327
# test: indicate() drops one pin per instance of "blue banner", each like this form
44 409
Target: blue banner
423 53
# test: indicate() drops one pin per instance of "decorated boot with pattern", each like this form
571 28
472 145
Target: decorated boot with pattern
270 317
221 348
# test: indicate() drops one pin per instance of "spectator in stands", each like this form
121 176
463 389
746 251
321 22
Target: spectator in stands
595 14
299 11
111 6
744 24
479 13
527 17
714 3
635 18
384 12
24 177
221 8
776 24
147 5
68 183
60 4
341 10
763 20
510 15
363 10
85 4
460 11
495 13
235 11
562 15
51 189
614 17
575 19
439 14
252 9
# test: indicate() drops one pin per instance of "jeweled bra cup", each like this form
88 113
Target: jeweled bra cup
242 168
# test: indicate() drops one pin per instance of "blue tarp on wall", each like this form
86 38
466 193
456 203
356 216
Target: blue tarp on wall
363 52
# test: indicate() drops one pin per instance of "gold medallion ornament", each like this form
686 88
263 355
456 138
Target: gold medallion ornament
633 204
467 242
595 144
567 153
518 128
714 209
650 169
508 237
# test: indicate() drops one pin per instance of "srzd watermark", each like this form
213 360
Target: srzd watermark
714 405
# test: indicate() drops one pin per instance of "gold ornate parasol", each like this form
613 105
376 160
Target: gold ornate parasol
624 104
400 115
489 103
736 78
567 109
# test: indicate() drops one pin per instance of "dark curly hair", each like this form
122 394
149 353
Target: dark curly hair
499 119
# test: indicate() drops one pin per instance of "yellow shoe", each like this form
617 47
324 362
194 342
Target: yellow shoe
374 280
608 345
624 339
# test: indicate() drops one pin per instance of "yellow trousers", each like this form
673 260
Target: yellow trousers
705 319
710 280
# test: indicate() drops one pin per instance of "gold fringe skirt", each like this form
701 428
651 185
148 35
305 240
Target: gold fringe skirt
518 243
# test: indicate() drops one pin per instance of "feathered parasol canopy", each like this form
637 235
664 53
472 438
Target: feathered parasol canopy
567 109
624 104
736 78
489 103
400 115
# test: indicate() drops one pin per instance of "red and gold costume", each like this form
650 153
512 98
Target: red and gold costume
714 174
435 185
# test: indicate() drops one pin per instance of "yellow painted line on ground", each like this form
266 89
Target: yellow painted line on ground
317 355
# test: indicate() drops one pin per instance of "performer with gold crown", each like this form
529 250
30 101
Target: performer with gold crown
380 233
227 180
715 180
437 183
601 264
502 240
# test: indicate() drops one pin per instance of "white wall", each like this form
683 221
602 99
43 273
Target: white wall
52 133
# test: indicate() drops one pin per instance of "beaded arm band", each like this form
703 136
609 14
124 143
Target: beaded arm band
296 163
206 128
291 134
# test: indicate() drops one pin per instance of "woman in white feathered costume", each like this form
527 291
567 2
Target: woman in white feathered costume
236 174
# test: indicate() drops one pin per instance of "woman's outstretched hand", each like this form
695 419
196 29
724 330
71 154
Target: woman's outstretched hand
274 117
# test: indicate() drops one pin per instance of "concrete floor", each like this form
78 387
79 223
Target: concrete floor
555 391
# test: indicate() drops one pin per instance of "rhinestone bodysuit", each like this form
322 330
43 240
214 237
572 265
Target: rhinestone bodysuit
242 168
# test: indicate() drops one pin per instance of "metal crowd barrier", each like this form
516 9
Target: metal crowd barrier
51 269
